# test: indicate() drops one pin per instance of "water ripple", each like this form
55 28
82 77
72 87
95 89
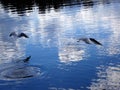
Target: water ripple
19 72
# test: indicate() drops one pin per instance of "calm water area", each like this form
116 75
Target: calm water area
56 56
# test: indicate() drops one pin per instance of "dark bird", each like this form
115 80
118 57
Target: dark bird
26 59
89 41
18 35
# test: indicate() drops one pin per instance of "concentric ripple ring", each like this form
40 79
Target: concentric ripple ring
16 73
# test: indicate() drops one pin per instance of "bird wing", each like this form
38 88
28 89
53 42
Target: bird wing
95 41
86 40
27 59
13 34
23 35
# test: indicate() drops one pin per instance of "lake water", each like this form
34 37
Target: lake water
56 59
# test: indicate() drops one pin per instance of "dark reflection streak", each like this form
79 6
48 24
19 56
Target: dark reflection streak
22 5
19 77
87 3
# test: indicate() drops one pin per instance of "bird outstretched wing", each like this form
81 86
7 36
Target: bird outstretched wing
27 59
86 40
13 34
95 41
23 35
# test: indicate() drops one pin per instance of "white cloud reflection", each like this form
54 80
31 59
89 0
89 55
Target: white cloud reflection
108 79
69 50
10 49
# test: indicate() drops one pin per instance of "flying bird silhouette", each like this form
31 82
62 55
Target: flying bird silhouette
89 41
18 35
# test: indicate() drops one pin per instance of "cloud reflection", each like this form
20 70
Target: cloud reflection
10 50
108 79
13 64
53 32
69 50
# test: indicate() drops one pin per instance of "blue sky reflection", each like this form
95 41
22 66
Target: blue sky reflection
48 29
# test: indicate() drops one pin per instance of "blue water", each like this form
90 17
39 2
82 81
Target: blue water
58 61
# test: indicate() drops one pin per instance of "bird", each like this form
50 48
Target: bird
26 59
89 41
18 35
